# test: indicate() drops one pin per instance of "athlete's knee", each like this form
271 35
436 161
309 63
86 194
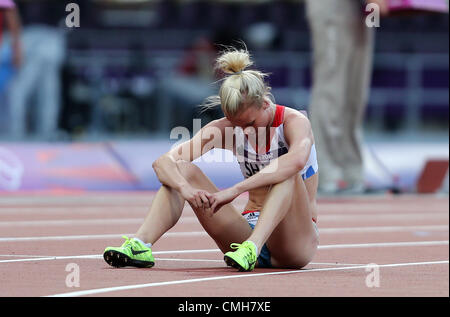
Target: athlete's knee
287 183
188 170
302 256
309 251
301 263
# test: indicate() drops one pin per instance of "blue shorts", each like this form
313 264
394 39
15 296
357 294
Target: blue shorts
309 172
264 255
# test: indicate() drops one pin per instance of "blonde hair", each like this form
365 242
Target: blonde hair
240 87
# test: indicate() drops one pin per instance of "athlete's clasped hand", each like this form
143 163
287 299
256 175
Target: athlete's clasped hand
210 203
223 197
197 198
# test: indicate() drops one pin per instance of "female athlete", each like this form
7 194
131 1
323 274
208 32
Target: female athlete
275 148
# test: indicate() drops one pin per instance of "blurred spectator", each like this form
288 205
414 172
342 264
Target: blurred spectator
10 55
342 67
180 94
9 14
36 85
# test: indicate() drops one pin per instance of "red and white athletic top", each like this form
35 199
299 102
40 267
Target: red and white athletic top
251 162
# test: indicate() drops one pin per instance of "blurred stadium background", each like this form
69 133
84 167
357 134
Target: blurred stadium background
135 69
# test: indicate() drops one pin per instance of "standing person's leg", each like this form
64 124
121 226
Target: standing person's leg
49 92
358 91
332 41
23 85
327 101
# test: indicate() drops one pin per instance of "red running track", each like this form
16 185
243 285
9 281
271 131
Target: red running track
46 239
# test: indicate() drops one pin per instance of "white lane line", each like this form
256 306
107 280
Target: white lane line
100 257
187 251
52 258
383 229
144 201
70 222
437 205
384 216
331 246
98 236
94 256
46 257
383 244
203 233
193 219
335 264
224 277
22 256
188 260
221 261
77 200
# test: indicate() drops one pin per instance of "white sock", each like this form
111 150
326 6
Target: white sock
147 244
256 248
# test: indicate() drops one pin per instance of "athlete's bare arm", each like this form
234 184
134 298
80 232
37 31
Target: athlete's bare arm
298 134
209 137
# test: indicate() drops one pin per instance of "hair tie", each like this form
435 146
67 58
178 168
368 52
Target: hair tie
238 73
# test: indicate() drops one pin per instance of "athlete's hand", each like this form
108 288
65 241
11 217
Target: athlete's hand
223 197
198 199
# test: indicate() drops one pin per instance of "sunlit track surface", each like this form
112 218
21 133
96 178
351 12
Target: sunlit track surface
44 237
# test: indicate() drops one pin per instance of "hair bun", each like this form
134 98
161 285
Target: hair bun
233 61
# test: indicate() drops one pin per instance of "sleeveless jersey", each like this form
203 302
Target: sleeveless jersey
251 162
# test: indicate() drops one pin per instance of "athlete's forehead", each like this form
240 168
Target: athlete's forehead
245 116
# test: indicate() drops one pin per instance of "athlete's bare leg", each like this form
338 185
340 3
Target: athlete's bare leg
285 222
225 226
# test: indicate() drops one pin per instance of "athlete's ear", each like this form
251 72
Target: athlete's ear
265 104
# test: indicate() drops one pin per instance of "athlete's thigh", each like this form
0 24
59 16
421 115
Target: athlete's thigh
295 238
227 225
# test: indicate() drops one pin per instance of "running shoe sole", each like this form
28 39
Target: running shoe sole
118 259
230 262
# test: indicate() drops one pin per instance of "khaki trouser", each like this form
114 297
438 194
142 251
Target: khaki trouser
342 57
